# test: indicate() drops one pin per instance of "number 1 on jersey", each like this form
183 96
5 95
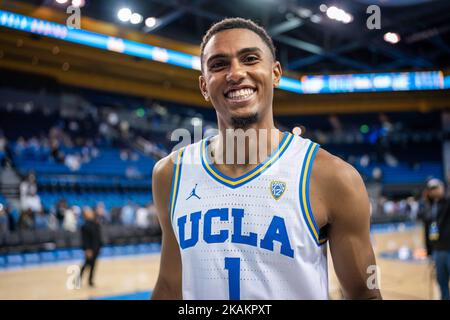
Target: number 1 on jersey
233 266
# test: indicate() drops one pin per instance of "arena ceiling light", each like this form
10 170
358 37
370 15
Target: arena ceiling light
61 1
150 22
391 37
78 3
136 18
314 84
124 14
338 14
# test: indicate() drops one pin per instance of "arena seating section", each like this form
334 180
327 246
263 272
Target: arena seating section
413 139
103 178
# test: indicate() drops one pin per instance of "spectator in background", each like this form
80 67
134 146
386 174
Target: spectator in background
91 242
115 215
428 209
101 213
132 173
52 222
73 162
29 198
26 220
124 155
56 153
412 208
85 155
61 207
45 148
142 218
78 216
437 213
20 146
377 174
34 147
4 220
389 208
127 214
89 150
41 221
105 131
70 220
13 216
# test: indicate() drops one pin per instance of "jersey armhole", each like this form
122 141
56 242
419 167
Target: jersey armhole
305 203
177 166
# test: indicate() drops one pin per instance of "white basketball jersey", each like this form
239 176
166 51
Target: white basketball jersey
251 237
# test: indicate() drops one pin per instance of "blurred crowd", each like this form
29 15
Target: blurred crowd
57 147
406 208
63 216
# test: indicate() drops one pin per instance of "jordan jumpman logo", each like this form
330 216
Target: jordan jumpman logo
193 194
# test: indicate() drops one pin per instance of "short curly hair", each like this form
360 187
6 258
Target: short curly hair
237 23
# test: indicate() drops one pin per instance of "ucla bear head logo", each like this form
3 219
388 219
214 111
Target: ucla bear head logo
277 189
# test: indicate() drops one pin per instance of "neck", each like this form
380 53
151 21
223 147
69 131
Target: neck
245 147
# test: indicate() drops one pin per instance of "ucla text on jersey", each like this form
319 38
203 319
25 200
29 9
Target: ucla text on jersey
275 232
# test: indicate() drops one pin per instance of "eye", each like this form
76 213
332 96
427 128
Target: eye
217 65
251 59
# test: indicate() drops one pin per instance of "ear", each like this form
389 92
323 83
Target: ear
202 86
276 73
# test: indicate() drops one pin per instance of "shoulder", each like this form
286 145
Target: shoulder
162 178
163 169
337 169
340 183
333 170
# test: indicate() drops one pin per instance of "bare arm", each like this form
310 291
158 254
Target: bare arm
168 285
348 215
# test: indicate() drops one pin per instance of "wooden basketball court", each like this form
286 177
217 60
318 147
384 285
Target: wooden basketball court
124 275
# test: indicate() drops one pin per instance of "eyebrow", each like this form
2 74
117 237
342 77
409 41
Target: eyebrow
240 52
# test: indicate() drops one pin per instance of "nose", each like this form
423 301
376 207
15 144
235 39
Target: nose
236 72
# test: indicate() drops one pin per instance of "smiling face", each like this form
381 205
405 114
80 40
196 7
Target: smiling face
239 74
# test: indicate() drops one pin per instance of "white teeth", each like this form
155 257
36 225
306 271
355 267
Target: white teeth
240 94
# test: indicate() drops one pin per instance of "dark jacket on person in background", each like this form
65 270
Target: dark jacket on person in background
91 236
443 223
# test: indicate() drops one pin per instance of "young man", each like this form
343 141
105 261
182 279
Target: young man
257 229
